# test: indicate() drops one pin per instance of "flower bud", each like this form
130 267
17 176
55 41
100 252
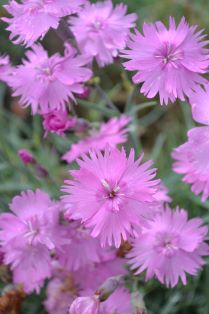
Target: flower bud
85 305
26 156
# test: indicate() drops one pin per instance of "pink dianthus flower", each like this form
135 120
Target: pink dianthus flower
5 68
169 247
32 19
110 133
168 61
199 101
191 159
107 193
28 234
101 30
48 83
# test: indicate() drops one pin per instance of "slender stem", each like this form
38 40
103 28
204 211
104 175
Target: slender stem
105 97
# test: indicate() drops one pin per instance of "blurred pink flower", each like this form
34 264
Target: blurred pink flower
32 19
191 159
5 68
168 61
118 303
58 121
199 101
110 133
107 194
101 30
170 246
48 83
85 305
28 235
60 294
81 249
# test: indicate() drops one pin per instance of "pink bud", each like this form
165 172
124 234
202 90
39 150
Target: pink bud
58 122
26 156
85 94
85 305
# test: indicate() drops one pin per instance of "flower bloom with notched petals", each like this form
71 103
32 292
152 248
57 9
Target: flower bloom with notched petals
27 235
191 159
169 247
48 83
32 19
85 305
107 193
101 30
119 302
168 61
60 294
5 68
110 133
199 101
80 250
58 121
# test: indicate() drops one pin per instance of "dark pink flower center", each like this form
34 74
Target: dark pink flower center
169 54
112 194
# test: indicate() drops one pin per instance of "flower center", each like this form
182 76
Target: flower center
167 244
45 72
112 194
32 230
169 54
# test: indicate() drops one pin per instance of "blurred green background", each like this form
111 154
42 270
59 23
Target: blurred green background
155 130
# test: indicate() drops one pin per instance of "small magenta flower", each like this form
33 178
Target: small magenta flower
32 19
26 156
58 121
110 133
170 246
101 30
28 235
48 83
85 305
168 61
109 193
191 160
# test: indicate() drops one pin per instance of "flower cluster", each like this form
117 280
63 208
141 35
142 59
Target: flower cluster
113 211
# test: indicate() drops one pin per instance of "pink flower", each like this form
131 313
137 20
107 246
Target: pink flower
199 101
110 133
28 234
101 30
80 250
118 303
168 61
59 295
32 19
107 194
58 121
5 68
48 83
85 305
26 156
169 247
191 159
